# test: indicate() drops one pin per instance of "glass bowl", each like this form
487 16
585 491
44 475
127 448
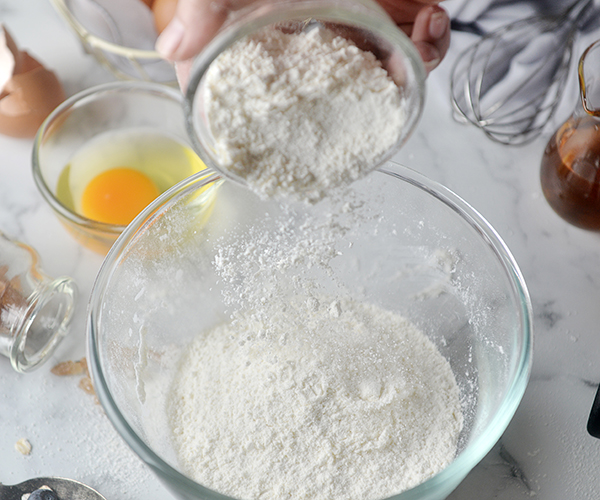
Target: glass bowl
400 241
113 108
120 35
363 22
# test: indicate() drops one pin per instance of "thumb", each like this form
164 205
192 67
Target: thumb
195 23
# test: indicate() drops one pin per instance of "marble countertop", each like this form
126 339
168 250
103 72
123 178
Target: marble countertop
545 452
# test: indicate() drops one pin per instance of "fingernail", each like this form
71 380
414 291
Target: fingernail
429 54
438 24
169 40
432 64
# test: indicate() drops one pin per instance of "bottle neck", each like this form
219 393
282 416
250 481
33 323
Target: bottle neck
589 84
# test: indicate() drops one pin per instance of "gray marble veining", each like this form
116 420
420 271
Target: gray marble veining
545 453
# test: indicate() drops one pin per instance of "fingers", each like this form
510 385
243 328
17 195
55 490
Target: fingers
431 35
427 24
195 23
404 11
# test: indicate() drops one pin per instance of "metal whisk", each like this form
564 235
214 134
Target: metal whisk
510 82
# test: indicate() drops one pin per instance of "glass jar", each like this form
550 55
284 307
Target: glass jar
35 310
570 169
362 22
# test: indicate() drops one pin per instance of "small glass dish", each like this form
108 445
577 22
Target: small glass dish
120 35
35 309
118 108
361 22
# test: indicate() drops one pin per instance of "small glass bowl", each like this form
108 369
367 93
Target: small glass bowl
83 117
104 30
363 22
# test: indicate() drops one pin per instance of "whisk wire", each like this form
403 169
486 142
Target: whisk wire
510 82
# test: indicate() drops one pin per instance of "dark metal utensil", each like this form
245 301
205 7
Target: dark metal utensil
593 425
65 489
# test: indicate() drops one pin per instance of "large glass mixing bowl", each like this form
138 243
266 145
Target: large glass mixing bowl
401 242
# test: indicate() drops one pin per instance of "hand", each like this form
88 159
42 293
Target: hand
197 21
426 23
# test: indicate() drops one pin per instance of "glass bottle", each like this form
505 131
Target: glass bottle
35 310
570 168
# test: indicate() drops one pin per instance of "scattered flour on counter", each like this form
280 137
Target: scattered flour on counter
73 437
336 399
301 114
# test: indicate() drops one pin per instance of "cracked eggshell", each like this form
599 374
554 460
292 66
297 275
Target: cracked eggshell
28 91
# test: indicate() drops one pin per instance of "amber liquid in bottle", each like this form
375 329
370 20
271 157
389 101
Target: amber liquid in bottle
570 172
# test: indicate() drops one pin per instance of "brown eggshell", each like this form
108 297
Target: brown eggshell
28 98
26 63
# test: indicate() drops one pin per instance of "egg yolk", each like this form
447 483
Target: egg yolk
116 196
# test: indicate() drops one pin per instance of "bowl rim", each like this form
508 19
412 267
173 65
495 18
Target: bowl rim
55 116
447 479
96 42
102 49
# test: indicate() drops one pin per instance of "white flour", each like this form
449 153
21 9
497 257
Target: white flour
301 114
308 391
337 400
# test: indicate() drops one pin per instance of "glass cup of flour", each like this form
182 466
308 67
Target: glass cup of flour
298 98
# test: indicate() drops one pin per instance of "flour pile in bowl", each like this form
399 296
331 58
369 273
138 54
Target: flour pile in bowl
306 417
309 392
299 114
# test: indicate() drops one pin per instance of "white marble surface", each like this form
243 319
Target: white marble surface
544 453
